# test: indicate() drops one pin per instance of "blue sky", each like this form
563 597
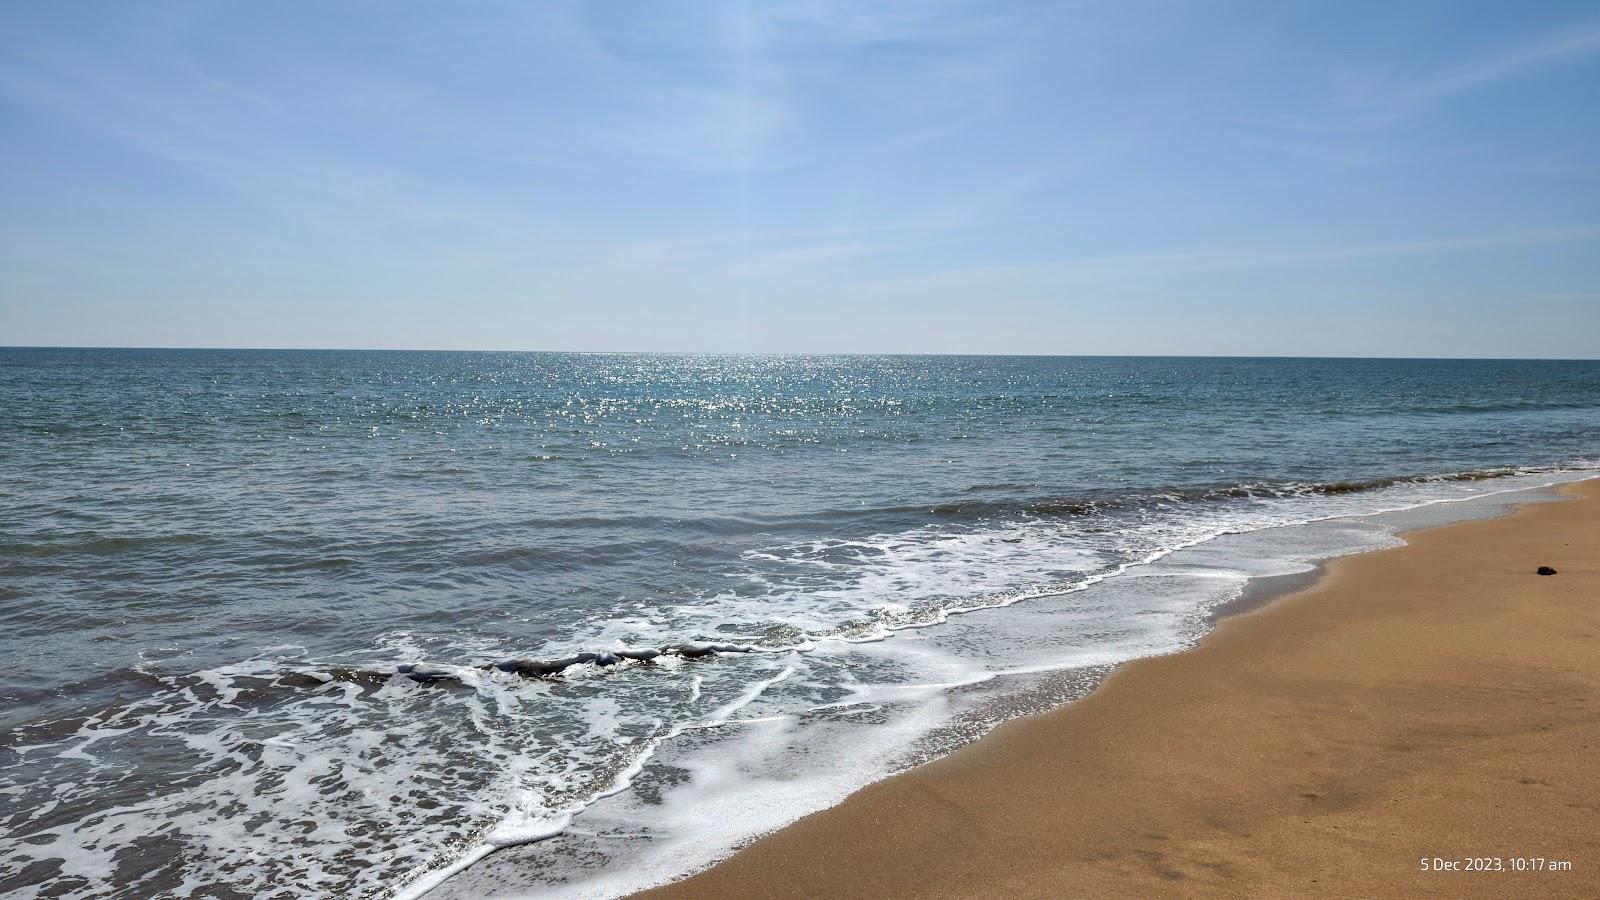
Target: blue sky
1208 178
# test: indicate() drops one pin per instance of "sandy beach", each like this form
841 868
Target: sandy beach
1416 713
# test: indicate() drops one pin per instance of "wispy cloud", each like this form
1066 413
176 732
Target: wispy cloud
747 254
770 83
1563 298
1127 267
163 109
1452 244
1372 100
1508 62
802 259
749 251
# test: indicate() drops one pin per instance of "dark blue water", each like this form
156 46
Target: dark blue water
212 562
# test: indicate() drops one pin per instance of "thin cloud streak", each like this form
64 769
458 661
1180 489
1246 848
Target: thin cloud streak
1384 102
1213 260
1509 63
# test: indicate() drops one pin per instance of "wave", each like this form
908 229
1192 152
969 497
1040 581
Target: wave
866 631
1246 490
100 544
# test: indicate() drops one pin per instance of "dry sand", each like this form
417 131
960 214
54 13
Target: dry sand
1435 700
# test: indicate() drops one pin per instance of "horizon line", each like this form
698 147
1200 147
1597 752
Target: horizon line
198 348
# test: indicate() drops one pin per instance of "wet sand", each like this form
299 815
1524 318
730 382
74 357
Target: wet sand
1438 700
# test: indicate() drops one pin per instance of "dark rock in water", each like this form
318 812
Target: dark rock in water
366 678
424 673
1546 570
544 668
696 649
304 679
688 651
539 668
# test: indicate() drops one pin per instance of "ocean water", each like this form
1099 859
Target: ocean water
306 624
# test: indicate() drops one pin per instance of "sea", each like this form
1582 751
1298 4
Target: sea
307 624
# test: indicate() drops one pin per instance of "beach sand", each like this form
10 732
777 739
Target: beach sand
1435 700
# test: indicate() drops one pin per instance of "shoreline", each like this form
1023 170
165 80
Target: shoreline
1336 801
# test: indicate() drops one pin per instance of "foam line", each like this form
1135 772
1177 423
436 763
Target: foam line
509 834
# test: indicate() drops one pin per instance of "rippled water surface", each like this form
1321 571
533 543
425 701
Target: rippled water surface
214 564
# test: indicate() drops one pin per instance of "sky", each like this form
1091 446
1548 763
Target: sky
1209 178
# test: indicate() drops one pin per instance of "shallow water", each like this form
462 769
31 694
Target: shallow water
212 564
